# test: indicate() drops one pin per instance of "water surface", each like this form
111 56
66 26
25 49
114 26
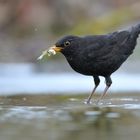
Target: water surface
59 117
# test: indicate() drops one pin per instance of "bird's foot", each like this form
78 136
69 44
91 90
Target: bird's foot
87 102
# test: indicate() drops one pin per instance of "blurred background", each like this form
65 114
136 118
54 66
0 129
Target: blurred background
27 27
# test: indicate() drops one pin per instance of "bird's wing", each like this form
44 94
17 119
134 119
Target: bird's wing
103 46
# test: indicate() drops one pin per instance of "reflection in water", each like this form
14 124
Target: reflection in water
66 118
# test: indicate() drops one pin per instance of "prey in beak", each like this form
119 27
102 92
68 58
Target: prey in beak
51 51
56 49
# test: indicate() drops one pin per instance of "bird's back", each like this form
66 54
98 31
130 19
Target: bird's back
104 54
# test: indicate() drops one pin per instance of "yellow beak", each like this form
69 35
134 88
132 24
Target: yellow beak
57 49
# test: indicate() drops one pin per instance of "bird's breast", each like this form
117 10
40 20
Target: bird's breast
94 67
80 65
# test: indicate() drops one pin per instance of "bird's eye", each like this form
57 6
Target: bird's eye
67 43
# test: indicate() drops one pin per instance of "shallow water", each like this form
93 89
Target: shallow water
59 117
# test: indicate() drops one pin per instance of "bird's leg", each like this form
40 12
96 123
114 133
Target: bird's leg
96 81
108 84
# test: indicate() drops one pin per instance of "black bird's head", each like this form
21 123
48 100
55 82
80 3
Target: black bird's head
67 45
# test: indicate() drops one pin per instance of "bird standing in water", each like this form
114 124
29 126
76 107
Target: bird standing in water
98 55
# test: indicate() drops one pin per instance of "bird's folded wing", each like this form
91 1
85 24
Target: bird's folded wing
106 45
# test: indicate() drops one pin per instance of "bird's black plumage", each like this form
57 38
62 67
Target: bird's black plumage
99 55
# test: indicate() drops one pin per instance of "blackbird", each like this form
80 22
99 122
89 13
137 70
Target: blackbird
98 55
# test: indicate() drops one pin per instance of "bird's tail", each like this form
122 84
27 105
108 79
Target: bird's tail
132 40
135 31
